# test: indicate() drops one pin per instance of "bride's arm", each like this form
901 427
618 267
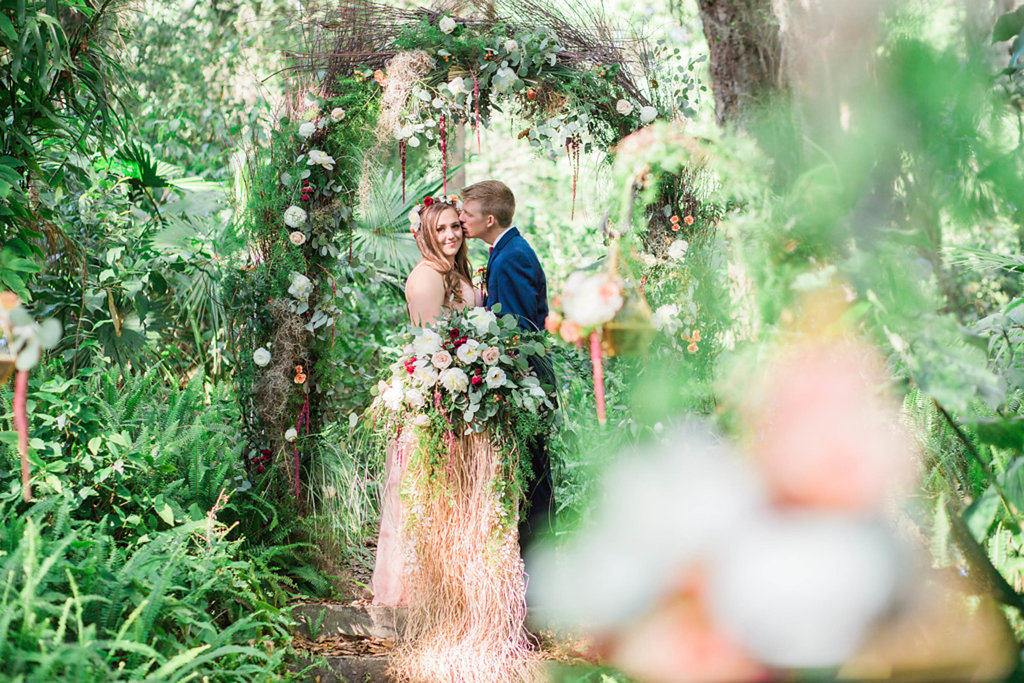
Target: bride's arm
424 294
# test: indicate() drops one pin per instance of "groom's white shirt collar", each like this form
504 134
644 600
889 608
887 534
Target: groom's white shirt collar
497 241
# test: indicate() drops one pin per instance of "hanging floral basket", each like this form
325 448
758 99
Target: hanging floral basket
608 311
630 332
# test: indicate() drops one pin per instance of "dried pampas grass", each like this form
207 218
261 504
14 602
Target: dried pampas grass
466 584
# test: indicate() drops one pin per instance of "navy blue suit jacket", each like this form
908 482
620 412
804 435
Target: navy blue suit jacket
516 281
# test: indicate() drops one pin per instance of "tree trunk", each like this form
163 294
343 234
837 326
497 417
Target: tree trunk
745 55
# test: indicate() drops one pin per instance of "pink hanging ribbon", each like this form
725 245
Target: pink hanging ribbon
21 424
596 361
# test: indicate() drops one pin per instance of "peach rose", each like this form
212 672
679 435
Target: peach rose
490 355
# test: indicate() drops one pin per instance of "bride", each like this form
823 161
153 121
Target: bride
440 280
448 544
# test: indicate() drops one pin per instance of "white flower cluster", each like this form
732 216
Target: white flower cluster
591 299
647 114
308 128
471 363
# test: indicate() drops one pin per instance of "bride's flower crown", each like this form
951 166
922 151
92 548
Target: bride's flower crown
414 215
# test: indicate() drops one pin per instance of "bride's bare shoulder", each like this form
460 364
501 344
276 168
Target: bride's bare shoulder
424 277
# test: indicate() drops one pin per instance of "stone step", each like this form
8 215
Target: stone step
343 669
366 621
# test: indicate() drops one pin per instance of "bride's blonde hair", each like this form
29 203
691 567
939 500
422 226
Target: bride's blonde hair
426 240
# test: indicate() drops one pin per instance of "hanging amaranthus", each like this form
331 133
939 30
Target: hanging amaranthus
476 111
401 155
572 150
444 156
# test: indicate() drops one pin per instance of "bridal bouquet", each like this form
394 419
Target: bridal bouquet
471 366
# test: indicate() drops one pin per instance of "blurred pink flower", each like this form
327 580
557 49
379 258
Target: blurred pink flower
824 431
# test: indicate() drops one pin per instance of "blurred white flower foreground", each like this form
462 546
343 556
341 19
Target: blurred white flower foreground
705 562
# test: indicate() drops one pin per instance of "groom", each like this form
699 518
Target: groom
516 281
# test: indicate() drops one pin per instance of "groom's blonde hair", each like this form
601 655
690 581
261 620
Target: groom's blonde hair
495 200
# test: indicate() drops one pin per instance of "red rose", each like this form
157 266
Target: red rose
476 380
454 334
427 201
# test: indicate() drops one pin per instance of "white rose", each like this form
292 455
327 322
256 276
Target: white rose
425 376
624 107
441 360
415 398
591 300
454 380
490 355
337 114
495 378
261 357
678 249
294 216
504 79
393 398
665 317
306 129
291 434
301 287
447 25
511 45
469 352
481 319
648 114
297 238
426 343
457 85
414 219
322 158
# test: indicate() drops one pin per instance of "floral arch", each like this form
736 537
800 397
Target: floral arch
383 83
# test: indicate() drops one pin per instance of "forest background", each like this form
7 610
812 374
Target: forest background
156 549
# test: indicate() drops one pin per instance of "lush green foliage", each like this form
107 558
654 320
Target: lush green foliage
132 565
115 219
